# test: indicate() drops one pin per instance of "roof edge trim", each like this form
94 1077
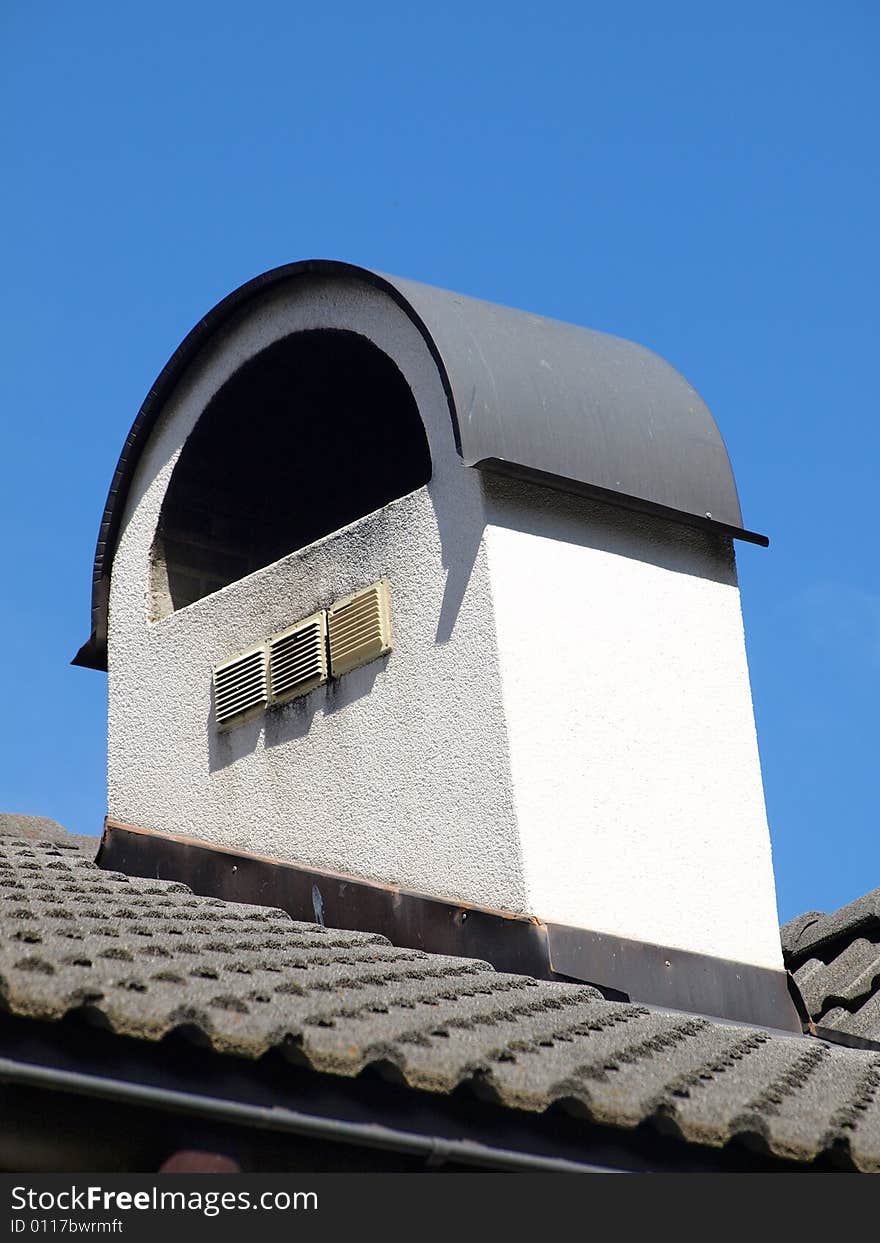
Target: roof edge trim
622 500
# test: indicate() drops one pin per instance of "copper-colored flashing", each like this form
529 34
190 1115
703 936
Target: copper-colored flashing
511 941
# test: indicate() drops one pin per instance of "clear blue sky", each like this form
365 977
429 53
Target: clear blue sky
701 178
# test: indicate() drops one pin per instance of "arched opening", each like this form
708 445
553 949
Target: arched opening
311 434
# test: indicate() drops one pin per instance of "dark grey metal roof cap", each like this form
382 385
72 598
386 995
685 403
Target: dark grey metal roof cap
541 398
531 397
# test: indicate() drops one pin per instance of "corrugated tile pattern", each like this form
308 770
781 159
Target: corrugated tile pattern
815 929
835 960
41 829
147 957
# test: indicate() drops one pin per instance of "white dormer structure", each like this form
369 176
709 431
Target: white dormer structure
551 718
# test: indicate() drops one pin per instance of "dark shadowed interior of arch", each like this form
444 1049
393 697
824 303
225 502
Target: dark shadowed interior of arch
311 434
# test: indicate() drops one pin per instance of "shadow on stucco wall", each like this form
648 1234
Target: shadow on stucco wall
289 721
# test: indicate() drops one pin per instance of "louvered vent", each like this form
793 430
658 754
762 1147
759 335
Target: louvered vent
360 628
240 686
298 659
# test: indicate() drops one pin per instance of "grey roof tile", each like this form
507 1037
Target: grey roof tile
807 933
863 1021
852 976
623 1073
39 828
147 957
855 1123
835 961
742 1091
815 1102
796 934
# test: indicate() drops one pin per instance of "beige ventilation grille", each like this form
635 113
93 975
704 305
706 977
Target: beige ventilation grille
360 628
303 657
240 686
298 659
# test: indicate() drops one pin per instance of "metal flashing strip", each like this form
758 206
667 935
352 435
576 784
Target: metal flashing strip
834 1035
620 500
676 979
515 943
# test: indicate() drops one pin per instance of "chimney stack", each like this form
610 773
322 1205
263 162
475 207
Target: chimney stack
429 596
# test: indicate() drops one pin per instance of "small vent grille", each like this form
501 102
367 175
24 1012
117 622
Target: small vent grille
240 686
360 628
303 657
298 659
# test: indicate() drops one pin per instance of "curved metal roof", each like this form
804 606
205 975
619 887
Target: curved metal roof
575 409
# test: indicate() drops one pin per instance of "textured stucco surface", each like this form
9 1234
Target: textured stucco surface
634 759
564 726
398 771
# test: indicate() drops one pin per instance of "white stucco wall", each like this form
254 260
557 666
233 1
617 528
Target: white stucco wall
634 760
564 726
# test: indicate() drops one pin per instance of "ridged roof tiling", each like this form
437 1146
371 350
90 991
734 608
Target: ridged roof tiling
41 828
835 960
145 958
